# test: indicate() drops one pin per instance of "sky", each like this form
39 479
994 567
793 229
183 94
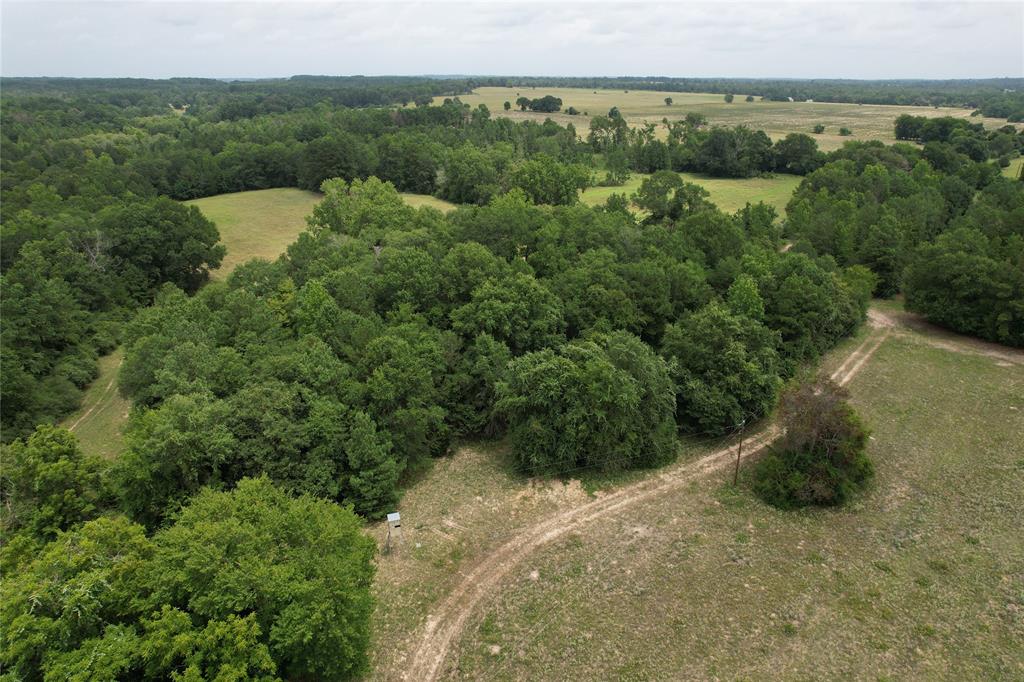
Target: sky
564 38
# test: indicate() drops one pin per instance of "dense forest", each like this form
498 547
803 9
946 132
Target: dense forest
276 410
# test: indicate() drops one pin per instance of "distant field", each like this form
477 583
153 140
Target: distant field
729 194
866 121
258 224
919 579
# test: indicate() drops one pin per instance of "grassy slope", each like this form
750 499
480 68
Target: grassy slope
728 193
920 579
259 224
98 423
420 200
868 122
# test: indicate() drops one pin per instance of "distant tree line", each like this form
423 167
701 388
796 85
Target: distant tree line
693 145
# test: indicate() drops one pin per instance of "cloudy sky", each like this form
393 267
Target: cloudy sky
759 39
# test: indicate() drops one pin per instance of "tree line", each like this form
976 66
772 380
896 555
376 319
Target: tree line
931 222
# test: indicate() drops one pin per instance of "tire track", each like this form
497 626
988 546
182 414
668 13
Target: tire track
450 616
102 400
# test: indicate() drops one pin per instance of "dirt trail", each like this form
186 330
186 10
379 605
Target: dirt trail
448 618
102 400
911 325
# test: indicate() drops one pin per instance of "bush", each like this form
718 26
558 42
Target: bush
821 459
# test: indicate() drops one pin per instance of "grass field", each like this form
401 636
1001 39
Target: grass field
258 224
919 579
867 121
1013 170
729 194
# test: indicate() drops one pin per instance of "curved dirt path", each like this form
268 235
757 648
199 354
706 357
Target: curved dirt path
448 618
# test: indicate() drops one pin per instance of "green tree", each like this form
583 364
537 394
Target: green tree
797 154
546 181
303 566
668 101
605 403
47 485
518 311
251 584
729 98
371 486
655 193
725 368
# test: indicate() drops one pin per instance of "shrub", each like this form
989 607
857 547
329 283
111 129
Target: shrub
821 459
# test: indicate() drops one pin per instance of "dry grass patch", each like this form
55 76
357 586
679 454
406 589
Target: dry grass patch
920 579
867 121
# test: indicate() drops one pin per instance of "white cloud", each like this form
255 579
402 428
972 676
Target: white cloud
768 39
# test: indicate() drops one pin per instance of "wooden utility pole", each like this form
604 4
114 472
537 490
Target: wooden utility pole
739 454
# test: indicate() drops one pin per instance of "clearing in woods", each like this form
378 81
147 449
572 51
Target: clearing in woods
98 423
257 224
866 121
729 194
506 579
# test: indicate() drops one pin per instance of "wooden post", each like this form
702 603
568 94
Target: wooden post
739 454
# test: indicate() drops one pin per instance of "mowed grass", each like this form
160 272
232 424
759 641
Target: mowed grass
1013 170
729 194
257 224
921 578
100 420
866 121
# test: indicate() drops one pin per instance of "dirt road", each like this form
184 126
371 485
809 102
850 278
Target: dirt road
448 619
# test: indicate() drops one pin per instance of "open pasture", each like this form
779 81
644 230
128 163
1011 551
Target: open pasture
866 121
729 194
919 579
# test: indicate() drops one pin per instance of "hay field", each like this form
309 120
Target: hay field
866 121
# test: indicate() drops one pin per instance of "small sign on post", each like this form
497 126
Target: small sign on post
394 530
